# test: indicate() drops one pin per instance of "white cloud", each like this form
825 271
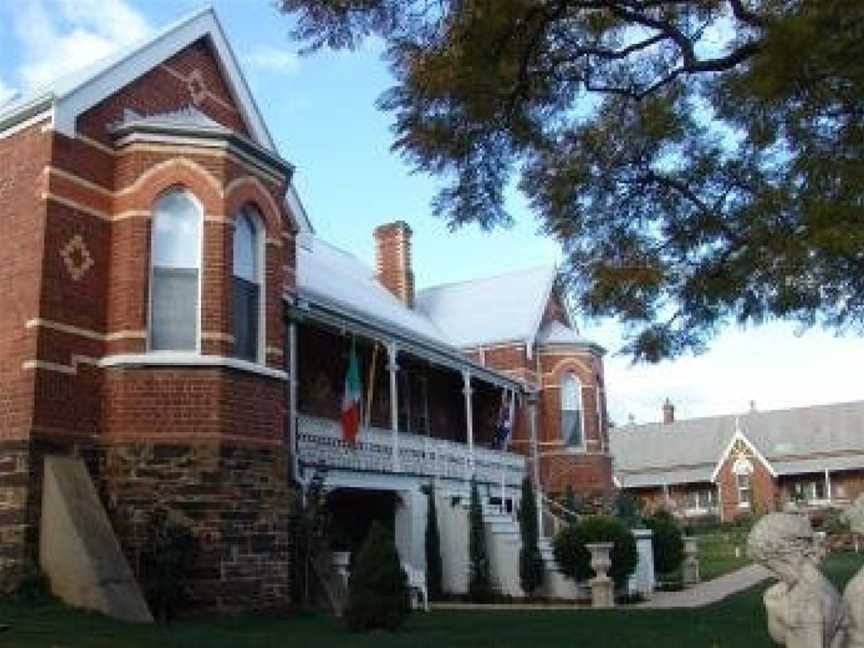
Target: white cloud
770 365
273 59
6 92
61 36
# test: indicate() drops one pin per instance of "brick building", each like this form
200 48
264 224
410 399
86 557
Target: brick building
169 316
727 466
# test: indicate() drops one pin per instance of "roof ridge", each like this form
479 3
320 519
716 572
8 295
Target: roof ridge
742 415
451 284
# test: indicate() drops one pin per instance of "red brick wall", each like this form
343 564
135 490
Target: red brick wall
22 222
76 267
764 492
589 469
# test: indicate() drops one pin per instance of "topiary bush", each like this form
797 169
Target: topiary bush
378 586
531 573
434 567
480 588
574 559
667 542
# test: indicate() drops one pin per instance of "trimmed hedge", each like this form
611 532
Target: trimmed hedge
574 559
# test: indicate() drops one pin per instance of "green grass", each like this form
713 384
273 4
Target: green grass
717 552
737 622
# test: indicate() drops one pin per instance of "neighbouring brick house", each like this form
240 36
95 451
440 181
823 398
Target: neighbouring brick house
811 458
169 315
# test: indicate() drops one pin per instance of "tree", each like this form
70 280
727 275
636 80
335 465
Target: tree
479 572
700 161
378 586
531 572
574 559
667 542
434 568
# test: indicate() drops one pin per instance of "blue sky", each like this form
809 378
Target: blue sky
321 112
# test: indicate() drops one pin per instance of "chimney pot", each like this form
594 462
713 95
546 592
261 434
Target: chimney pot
393 260
668 412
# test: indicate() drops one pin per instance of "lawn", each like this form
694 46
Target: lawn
717 552
735 623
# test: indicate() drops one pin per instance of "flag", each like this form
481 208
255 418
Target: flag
505 420
351 400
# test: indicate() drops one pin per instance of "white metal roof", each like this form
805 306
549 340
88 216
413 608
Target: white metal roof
504 308
331 276
798 440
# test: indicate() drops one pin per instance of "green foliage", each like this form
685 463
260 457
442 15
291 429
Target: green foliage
32 588
309 526
479 571
378 586
627 509
574 559
166 561
570 502
531 572
668 164
667 542
434 567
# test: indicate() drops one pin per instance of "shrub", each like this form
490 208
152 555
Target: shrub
434 568
574 559
530 561
479 576
627 509
667 542
166 562
378 586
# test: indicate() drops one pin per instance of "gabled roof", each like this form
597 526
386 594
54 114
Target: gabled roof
75 93
555 333
798 440
504 308
333 277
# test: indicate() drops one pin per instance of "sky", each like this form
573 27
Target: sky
321 112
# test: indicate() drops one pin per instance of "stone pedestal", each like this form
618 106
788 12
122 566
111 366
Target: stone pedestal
690 570
643 581
602 588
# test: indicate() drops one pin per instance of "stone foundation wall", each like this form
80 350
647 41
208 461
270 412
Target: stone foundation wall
234 498
15 550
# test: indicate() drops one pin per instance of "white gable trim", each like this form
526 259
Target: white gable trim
199 25
740 436
538 320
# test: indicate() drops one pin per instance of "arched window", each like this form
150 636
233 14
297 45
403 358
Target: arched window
175 263
571 410
247 284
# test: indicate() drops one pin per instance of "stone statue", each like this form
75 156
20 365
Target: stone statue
853 596
804 609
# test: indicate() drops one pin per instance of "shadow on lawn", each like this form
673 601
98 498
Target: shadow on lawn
737 622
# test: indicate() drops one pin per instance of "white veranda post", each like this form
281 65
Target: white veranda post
392 367
469 419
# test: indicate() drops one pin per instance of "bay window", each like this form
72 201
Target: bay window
175 273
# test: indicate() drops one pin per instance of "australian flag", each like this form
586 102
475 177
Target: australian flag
504 426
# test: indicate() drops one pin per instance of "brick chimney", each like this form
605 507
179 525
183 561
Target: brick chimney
393 260
668 412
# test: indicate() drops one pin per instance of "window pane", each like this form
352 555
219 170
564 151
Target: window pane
176 231
246 312
570 396
571 427
246 248
174 311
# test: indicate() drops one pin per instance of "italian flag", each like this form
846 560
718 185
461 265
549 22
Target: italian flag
351 400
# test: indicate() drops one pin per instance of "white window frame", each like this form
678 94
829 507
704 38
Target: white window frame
257 218
153 215
581 409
